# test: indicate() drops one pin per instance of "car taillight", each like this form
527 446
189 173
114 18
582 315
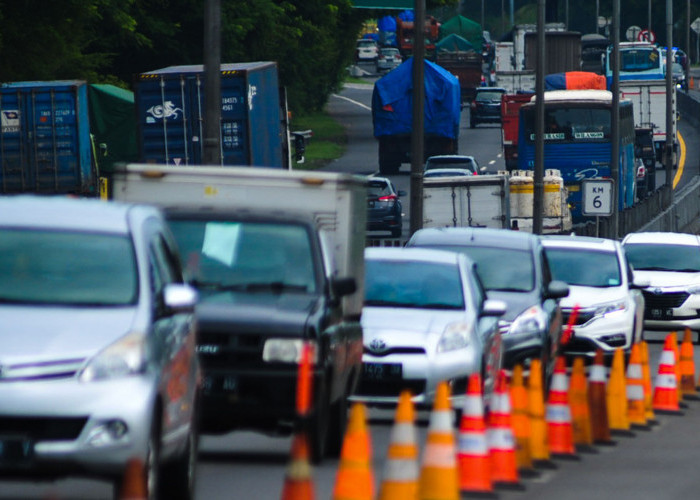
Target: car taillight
641 172
390 197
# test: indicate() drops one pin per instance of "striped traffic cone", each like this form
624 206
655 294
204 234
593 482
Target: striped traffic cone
298 484
687 367
677 366
560 432
520 418
438 475
539 446
473 459
597 401
401 468
134 485
504 470
355 478
648 389
636 413
580 410
617 396
666 384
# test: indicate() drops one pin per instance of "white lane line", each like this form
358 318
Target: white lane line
353 101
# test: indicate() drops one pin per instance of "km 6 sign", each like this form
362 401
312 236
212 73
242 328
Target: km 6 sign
597 196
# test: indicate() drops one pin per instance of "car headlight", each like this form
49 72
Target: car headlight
610 308
126 356
455 336
278 350
695 289
531 321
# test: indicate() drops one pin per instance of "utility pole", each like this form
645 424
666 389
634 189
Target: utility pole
615 125
417 135
668 149
212 83
538 174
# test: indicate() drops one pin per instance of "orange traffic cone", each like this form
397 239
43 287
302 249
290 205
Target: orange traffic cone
560 432
648 390
597 401
504 470
297 483
677 366
666 384
580 410
617 396
355 479
636 412
539 446
438 475
134 486
401 468
472 446
520 418
687 366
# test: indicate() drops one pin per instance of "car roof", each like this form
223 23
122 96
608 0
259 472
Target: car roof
413 254
476 236
580 242
662 238
450 158
67 213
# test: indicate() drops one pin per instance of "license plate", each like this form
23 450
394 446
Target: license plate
661 313
381 371
213 384
15 449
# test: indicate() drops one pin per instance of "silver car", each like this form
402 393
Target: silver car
97 349
425 320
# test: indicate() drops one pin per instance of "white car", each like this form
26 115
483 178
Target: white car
366 49
670 262
426 319
602 285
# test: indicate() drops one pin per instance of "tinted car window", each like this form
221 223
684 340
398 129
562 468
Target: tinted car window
77 268
663 257
494 275
489 96
423 285
574 267
378 189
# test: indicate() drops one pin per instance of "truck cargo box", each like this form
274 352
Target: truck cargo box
170 105
45 144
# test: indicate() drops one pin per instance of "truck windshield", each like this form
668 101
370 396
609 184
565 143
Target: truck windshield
570 124
249 256
62 267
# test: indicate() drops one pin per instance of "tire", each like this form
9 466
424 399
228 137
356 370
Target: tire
338 423
178 476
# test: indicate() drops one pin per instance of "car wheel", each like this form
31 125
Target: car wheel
178 476
338 423
318 428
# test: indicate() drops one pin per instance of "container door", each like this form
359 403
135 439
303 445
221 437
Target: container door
235 131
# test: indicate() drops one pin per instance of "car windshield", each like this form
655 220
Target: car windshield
448 172
573 266
663 257
39 266
491 266
248 256
414 284
489 96
451 163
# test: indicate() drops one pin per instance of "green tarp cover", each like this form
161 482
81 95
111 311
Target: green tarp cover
113 123
453 43
464 27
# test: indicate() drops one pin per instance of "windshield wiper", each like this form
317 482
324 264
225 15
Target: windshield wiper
275 286
506 290
388 303
438 305
653 268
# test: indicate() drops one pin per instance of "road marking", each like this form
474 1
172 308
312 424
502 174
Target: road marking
681 160
353 101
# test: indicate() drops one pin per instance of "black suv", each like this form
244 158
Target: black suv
384 208
513 268
486 106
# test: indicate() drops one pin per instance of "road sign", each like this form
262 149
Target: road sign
696 25
632 33
647 36
597 197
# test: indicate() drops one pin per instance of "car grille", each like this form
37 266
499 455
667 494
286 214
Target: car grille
226 350
65 368
390 388
395 350
43 428
583 316
664 300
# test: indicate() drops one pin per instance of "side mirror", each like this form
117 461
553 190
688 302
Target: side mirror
494 308
343 286
179 298
557 290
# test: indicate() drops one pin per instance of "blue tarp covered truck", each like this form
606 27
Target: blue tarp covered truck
392 114
170 106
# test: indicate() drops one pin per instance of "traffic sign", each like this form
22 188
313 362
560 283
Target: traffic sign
647 36
597 196
695 25
632 33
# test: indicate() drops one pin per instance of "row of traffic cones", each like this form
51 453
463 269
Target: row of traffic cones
520 433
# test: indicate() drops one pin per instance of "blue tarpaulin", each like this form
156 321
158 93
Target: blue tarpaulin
392 101
386 23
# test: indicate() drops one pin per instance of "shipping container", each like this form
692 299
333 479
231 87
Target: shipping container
45 144
171 103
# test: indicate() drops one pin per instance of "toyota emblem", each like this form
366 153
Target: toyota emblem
657 291
377 346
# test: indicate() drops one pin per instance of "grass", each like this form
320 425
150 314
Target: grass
327 143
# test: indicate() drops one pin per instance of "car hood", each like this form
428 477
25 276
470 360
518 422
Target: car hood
516 302
586 296
400 326
50 333
667 278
